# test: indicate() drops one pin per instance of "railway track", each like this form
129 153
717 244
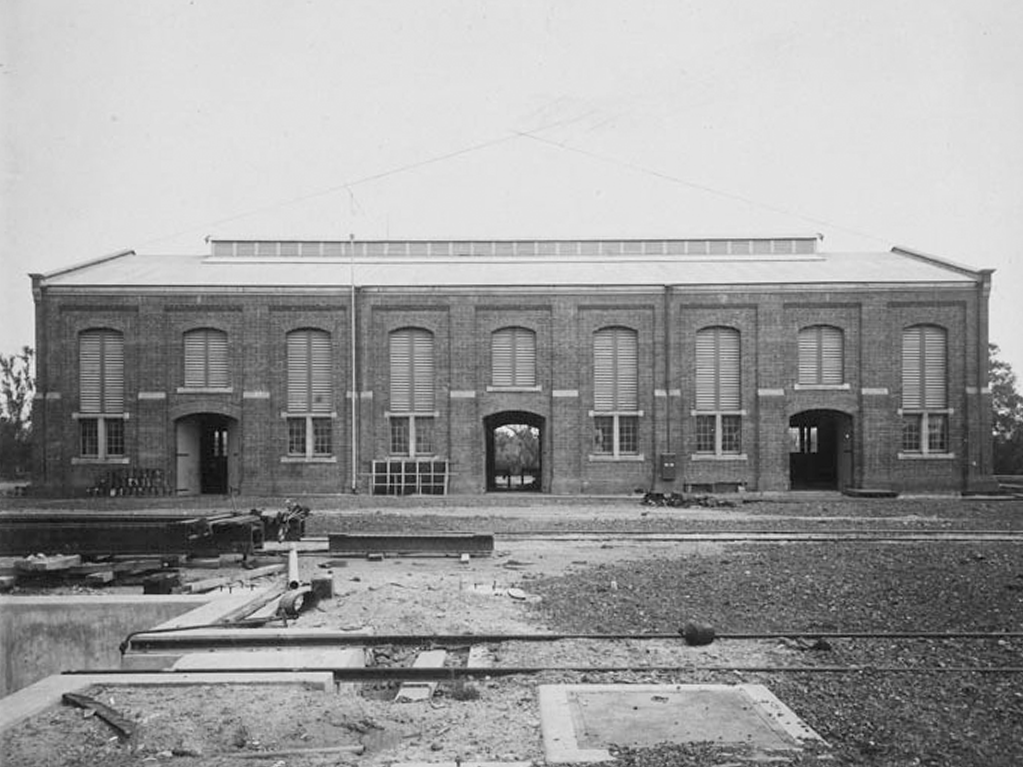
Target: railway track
872 535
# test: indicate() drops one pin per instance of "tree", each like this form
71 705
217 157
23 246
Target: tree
17 387
1008 415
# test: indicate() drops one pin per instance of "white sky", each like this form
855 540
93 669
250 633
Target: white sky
149 125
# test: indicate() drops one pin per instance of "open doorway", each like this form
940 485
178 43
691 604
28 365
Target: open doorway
207 454
514 452
820 450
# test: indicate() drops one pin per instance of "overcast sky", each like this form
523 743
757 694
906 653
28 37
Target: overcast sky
150 125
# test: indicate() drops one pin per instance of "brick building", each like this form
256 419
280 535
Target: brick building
289 367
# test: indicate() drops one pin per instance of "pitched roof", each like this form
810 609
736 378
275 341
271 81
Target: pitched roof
520 264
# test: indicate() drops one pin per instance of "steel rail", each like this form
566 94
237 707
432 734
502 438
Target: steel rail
388 673
970 536
220 635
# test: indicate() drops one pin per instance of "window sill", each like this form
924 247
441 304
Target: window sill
307 459
205 390
97 461
607 458
286 415
514 389
823 387
722 457
926 456
406 457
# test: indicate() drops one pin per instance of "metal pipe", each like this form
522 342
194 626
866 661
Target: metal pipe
293 575
354 483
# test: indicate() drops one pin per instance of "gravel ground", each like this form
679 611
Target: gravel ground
930 712
933 715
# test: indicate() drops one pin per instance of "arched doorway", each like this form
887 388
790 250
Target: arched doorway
207 454
514 451
820 450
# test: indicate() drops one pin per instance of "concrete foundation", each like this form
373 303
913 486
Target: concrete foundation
42 635
580 722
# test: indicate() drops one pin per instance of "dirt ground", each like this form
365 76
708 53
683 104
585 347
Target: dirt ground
486 719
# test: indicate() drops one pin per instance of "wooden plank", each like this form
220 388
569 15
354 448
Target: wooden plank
47 564
124 727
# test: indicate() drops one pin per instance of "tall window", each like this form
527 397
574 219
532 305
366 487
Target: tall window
718 401
411 411
310 393
821 355
205 359
101 393
925 390
513 357
615 392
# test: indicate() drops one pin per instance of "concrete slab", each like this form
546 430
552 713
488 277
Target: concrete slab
418 691
580 722
31 700
215 605
305 659
462 764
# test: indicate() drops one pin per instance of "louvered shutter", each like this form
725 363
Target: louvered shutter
320 378
603 370
728 369
821 355
216 358
401 371
101 371
525 357
717 369
422 371
298 372
832 355
935 368
310 380
195 358
808 367
912 359
502 353
626 370
90 367
706 369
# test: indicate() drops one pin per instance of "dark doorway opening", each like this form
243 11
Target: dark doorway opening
820 450
206 454
514 452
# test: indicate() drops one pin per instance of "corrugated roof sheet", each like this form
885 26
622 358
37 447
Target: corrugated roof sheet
149 271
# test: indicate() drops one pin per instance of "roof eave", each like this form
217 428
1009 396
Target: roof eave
82 265
977 274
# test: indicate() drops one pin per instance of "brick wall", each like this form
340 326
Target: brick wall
462 324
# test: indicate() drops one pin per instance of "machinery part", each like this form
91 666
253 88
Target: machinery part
295 600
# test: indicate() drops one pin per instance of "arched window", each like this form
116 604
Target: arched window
821 356
310 396
205 361
718 391
616 392
101 393
513 357
411 413
925 409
